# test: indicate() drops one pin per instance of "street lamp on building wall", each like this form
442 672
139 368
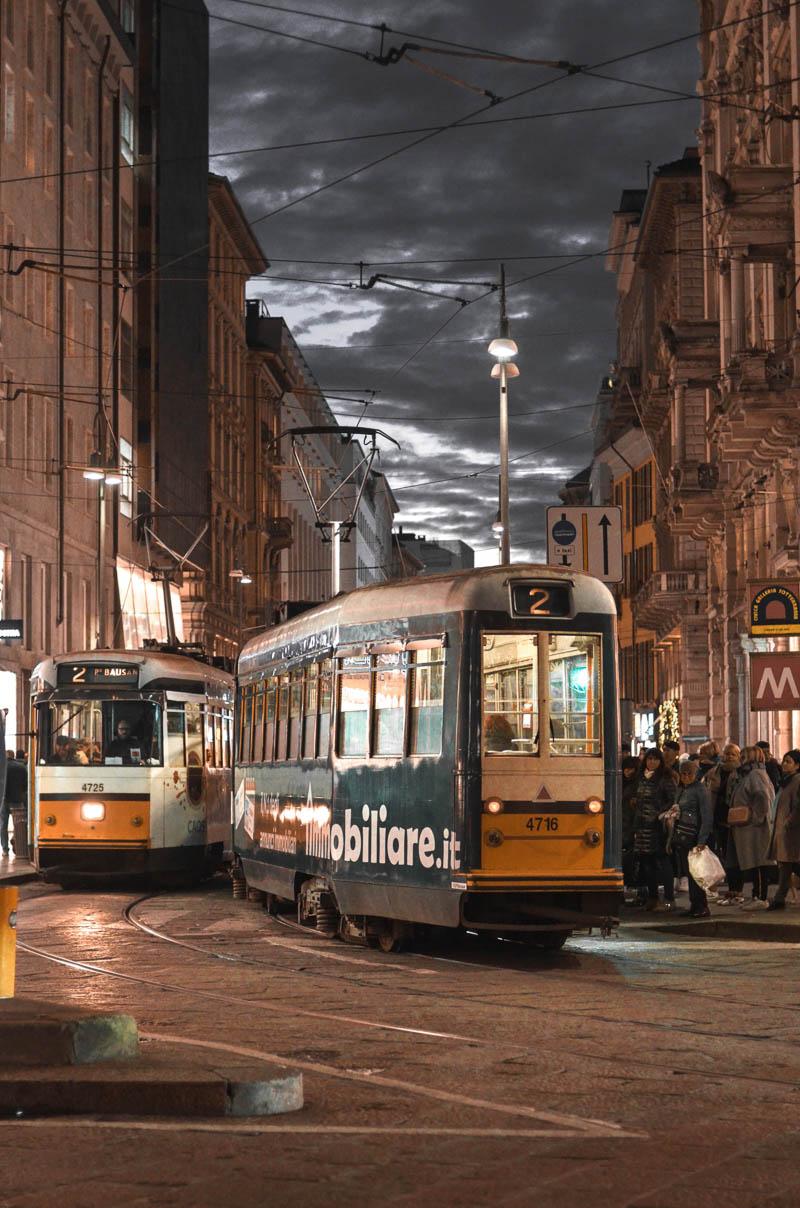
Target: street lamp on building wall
503 348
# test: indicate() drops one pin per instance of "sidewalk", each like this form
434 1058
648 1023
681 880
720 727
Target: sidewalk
726 923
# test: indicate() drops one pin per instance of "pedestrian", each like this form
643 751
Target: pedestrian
5 805
630 864
692 829
708 754
748 819
771 765
15 796
670 751
785 845
719 782
655 793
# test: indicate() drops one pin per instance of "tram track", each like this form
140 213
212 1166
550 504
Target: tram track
440 997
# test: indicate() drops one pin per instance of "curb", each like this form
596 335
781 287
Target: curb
42 1034
127 1091
720 928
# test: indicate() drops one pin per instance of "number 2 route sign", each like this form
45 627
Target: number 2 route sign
587 539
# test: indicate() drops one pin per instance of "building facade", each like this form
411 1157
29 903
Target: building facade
436 557
697 421
66 351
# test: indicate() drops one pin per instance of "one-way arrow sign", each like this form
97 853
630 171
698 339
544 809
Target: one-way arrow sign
587 539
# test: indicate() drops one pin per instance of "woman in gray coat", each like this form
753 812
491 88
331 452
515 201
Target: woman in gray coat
752 797
786 831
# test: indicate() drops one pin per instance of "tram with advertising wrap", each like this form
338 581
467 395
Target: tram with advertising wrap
131 756
437 752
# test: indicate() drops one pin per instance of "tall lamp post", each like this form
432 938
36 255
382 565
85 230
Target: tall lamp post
503 349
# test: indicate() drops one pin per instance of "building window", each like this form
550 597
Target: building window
126 486
27 601
30 446
9 105
30 37
49 174
9 279
69 299
126 129
643 494
49 58
44 606
69 96
4 565
127 16
88 334
88 126
88 209
10 6
126 358
30 134
69 187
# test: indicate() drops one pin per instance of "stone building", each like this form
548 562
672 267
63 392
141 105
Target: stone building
66 345
704 395
750 155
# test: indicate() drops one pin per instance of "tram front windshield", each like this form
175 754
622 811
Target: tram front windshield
100 733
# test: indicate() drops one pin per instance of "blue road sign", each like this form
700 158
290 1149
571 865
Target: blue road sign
564 532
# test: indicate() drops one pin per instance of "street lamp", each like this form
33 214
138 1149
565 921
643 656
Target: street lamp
99 470
503 348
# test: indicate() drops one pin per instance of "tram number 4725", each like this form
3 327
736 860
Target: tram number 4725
541 823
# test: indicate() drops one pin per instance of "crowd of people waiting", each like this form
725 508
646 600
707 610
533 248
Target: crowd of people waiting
743 804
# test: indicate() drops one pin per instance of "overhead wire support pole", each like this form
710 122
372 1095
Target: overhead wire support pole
503 349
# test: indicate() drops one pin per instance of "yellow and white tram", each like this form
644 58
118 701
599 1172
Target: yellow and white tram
130 765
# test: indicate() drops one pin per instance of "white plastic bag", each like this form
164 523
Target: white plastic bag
705 868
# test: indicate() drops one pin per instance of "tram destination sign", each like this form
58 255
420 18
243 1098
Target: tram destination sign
774 608
97 673
531 599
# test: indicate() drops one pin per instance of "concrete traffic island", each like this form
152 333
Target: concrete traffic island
65 1061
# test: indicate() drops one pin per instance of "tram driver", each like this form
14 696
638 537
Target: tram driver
125 745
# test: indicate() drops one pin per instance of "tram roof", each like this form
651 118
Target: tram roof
154 665
483 590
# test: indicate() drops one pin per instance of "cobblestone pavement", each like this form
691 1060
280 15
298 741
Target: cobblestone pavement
646 1070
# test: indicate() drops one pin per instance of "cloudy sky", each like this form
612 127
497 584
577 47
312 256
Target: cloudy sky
522 182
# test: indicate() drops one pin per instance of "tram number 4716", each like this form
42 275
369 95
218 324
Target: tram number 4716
541 823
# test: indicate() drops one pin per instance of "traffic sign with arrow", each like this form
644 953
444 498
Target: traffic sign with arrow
587 539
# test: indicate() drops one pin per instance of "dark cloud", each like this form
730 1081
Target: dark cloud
520 188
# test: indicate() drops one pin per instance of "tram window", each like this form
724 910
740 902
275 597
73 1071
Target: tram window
75 733
353 705
194 735
325 694
219 757
311 695
227 733
574 685
295 713
95 732
213 740
256 754
176 735
269 726
427 699
246 723
389 696
510 696
283 716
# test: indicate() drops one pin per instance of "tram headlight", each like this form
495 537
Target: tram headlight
493 805
592 837
93 811
594 805
50 820
494 838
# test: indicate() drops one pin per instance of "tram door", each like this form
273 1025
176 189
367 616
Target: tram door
541 758
183 801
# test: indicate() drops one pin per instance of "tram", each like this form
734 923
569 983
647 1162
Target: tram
438 752
130 765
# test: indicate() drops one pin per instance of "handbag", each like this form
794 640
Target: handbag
740 815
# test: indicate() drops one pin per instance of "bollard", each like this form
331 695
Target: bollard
8 939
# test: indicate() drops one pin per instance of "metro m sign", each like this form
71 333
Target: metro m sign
775 681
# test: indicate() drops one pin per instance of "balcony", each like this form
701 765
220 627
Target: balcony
666 597
279 532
